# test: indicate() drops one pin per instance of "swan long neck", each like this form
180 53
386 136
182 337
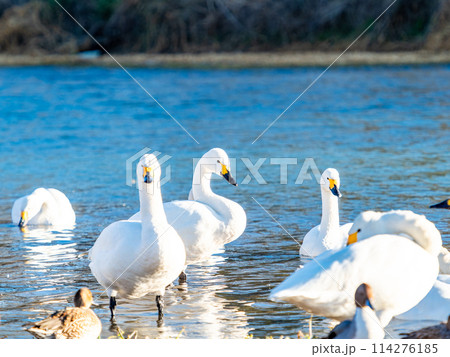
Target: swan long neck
421 230
330 212
201 189
151 205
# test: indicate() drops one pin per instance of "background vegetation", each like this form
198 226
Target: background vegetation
192 26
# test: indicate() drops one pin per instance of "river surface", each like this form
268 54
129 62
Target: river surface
386 129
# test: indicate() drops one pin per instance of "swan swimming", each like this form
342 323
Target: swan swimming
207 221
328 235
131 259
365 323
326 285
44 206
78 322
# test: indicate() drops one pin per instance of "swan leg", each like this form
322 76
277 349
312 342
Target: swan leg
112 307
160 306
182 278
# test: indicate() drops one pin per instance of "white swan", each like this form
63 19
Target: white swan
328 235
444 261
385 223
44 206
365 323
131 259
435 306
210 221
401 272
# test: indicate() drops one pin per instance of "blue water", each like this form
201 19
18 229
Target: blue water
386 129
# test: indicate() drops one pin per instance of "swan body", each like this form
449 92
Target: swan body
132 258
444 261
365 323
329 235
78 322
44 206
208 222
326 285
434 306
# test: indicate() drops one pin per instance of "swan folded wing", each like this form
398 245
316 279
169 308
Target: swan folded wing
435 306
398 284
198 225
444 261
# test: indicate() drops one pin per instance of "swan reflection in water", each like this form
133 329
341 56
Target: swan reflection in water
47 247
193 310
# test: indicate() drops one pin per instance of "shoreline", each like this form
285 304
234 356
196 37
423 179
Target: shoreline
232 60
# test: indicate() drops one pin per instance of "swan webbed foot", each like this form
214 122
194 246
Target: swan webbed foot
112 308
182 278
160 306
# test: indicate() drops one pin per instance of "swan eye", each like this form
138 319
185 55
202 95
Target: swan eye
359 230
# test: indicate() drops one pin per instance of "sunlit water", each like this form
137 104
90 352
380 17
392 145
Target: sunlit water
386 129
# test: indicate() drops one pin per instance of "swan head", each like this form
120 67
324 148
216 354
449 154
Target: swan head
217 161
364 226
148 170
83 298
31 206
330 182
398 222
363 295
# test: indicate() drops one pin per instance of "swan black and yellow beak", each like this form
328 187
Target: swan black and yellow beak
334 189
227 175
443 204
23 219
147 174
352 238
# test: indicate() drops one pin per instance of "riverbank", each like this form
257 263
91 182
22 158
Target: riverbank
231 60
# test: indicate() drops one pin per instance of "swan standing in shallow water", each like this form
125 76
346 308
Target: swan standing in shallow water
44 206
328 235
131 259
78 322
210 221
365 323
388 263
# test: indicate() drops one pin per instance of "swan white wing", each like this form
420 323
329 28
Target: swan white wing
345 228
312 245
201 229
435 306
199 226
326 286
64 211
191 195
444 261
